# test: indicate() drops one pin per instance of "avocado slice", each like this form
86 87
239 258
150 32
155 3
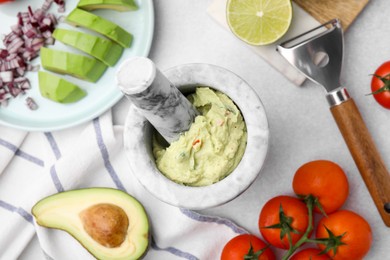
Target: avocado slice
104 50
117 5
58 89
100 25
76 65
109 223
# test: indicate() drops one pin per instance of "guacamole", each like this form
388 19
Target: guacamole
211 148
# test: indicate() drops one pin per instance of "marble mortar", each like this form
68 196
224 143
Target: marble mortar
138 141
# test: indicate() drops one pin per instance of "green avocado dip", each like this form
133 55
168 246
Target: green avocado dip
213 146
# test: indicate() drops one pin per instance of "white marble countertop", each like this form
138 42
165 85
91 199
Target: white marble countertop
301 126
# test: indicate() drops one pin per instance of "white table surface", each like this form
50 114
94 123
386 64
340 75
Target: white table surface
301 126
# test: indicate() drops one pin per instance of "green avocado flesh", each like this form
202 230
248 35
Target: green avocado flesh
76 65
109 223
104 50
59 89
100 25
117 5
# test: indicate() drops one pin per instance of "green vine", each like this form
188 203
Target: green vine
310 202
331 243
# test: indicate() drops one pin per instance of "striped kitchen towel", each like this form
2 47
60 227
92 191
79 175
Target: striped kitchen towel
35 165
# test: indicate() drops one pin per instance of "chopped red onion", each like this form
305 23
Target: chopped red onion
61 5
14 45
32 67
3 54
47 34
31 103
46 5
25 85
32 31
6 76
11 56
52 18
49 41
16 29
13 89
20 71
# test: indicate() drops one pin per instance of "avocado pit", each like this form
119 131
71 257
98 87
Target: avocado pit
106 223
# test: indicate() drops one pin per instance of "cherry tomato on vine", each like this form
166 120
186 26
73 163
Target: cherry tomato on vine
350 232
310 254
287 212
380 85
246 245
324 180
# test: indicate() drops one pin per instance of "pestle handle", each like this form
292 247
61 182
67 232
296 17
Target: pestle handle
162 104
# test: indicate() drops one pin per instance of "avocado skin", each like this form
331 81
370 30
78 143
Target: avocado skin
58 89
104 50
58 211
117 5
75 65
100 25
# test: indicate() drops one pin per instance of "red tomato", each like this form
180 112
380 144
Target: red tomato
383 82
4 1
310 254
238 247
324 180
357 236
294 209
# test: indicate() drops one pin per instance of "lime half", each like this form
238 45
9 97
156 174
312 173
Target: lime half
259 22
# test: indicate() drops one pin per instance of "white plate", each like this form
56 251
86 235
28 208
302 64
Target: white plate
101 96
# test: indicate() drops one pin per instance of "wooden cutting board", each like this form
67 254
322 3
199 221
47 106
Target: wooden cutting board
325 10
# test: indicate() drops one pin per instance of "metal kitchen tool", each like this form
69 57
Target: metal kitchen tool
318 54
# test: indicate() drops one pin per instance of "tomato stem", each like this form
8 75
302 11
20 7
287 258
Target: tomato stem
252 255
386 84
310 201
285 226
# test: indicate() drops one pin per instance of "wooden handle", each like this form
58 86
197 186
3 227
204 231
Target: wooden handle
323 11
365 155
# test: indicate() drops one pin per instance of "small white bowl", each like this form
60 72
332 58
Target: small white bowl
138 141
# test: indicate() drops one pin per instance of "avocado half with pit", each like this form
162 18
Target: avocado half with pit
100 25
117 5
109 223
58 89
104 50
68 63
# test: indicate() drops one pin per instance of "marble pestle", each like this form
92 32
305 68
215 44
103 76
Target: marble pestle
157 99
